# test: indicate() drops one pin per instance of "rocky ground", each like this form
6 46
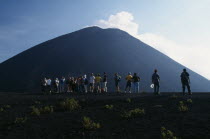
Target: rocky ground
111 115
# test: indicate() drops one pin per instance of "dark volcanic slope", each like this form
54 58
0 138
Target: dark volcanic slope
93 50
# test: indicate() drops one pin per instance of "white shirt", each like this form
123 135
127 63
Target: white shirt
92 79
48 82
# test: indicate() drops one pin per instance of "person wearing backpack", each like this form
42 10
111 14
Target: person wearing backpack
136 80
185 79
156 82
128 78
117 79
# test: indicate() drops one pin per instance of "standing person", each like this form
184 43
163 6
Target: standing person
68 84
104 83
62 84
136 80
49 82
98 83
117 80
85 80
74 84
56 85
185 79
156 82
92 82
128 78
44 85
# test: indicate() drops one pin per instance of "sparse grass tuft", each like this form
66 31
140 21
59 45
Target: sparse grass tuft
109 107
133 113
182 107
167 134
189 101
69 104
1 109
46 109
88 124
35 111
43 110
20 120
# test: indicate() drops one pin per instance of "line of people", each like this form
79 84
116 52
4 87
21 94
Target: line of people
99 84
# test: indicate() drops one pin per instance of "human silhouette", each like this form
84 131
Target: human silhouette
185 79
156 82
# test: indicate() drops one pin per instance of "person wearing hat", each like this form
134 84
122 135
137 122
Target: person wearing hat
156 82
185 79
128 78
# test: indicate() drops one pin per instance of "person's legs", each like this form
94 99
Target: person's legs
183 88
155 88
85 87
188 88
105 87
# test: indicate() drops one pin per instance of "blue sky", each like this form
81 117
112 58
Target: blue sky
169 26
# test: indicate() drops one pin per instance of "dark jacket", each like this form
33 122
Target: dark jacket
185 77
155 78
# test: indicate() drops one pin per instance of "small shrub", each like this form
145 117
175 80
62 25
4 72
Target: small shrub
133 113
7 106
167 134
43 110
20 120
128 100
88 124
69 104
1 109
35 111
110 107
182 107
46 109
189 101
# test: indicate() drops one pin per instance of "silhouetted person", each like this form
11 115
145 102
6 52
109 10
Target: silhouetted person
44 85
104 83
136 80
117 80
156 81
128 78
56 85
62 84
49 82
185 79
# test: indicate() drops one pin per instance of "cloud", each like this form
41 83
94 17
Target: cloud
193 57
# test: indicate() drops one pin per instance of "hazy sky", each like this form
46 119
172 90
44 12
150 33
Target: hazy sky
178 28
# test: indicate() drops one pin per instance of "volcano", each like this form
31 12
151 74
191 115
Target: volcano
94 50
